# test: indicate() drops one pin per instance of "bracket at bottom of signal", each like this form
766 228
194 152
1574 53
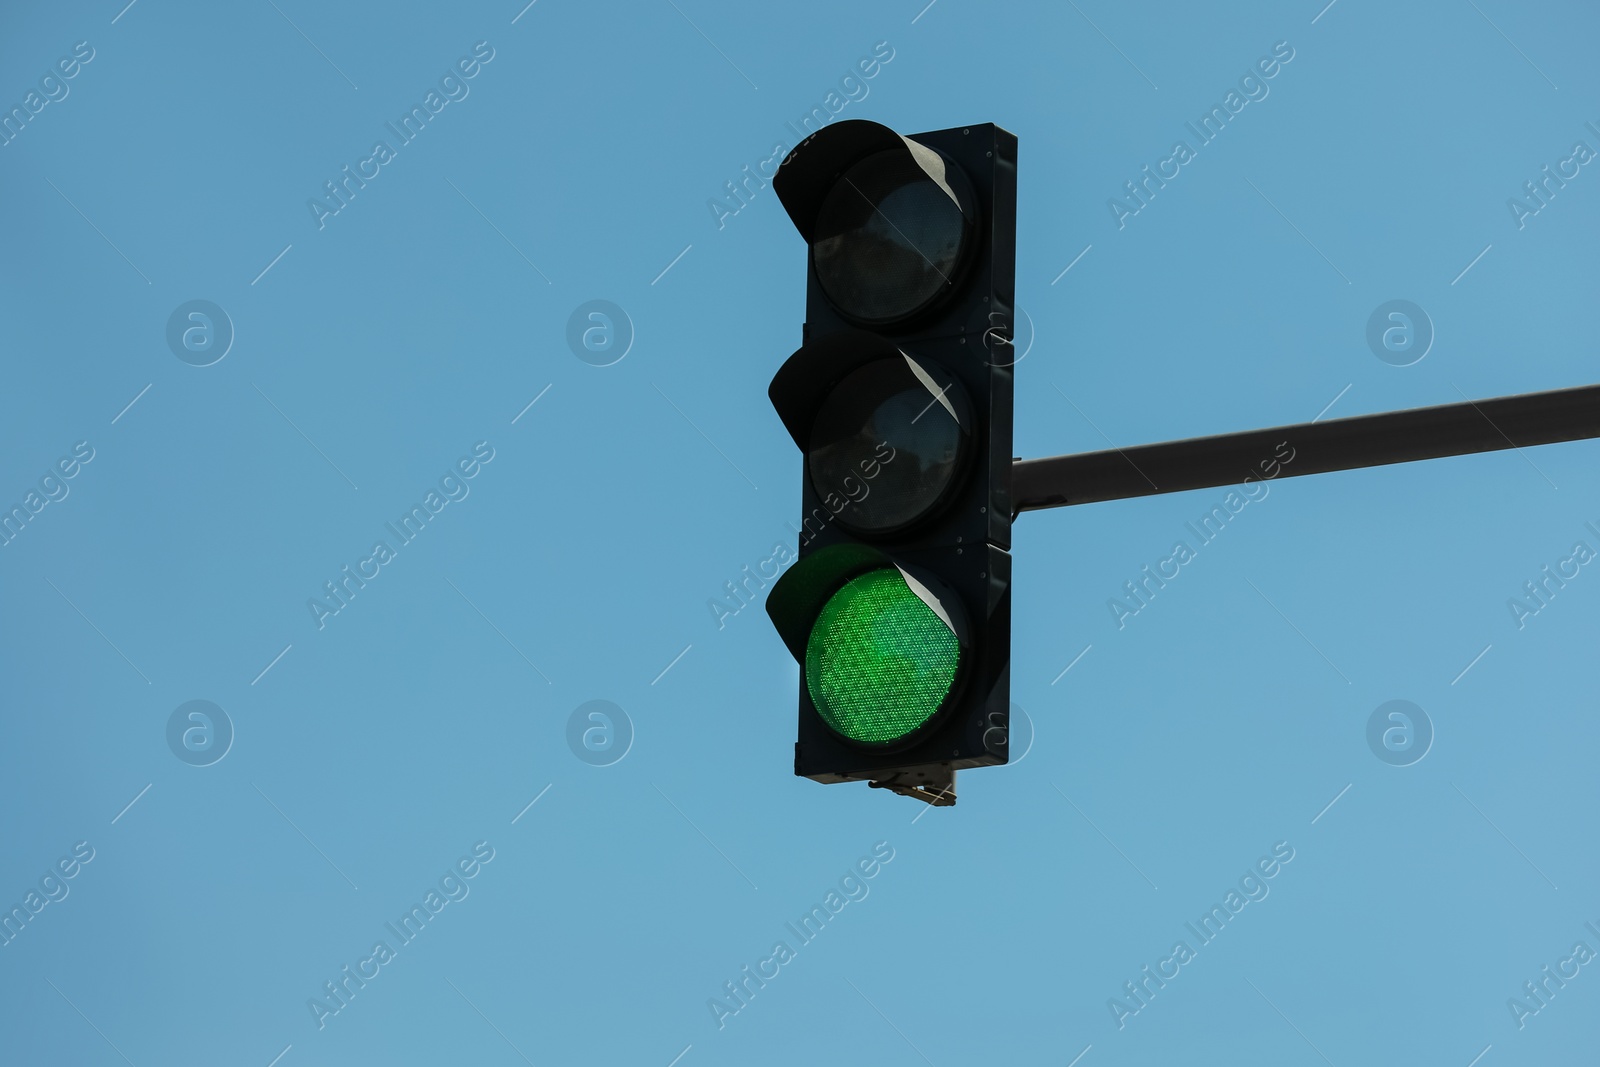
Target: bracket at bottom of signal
938 788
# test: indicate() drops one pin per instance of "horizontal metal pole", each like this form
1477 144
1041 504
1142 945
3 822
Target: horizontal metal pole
1317 447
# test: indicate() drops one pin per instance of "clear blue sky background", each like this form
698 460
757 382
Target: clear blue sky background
425 716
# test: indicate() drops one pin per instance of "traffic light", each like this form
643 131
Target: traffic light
898 607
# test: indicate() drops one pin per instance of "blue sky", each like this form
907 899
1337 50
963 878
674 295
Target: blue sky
572 153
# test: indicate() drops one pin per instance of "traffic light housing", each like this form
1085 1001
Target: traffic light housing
900 399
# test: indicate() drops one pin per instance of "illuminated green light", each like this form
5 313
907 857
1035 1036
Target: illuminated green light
879 662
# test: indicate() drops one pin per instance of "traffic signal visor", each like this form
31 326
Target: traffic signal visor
890 222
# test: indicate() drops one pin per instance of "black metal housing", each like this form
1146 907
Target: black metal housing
965 543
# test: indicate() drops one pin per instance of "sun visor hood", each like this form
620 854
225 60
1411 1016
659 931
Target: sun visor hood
816 164
806 378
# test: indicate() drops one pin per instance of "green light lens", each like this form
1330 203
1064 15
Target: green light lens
879 662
